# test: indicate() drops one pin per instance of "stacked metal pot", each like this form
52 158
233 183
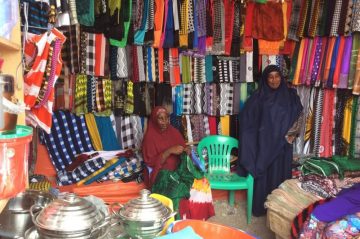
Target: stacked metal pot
143 217
70 217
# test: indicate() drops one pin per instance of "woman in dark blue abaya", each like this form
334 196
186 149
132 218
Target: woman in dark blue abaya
266 135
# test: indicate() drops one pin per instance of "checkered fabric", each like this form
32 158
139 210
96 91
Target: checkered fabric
90 54
131 132
69 137
128 167
336 18
198 99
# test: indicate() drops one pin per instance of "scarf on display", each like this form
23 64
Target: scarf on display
178 100
186 107
354 150
200 15
341 145
70 52
294 20
139 34
149 34
124 13
158 22
336 18
40 80
129 131
355 26
314 18
119 96
143 103
354 72
236 31
229 24
93 131
167 37
218 47
226 99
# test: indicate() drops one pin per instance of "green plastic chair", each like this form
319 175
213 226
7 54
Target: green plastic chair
218 152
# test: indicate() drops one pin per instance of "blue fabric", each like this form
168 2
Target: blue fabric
263 150
106 171
334 60
346 202
107 133
187 232
140 34
169 28
208 68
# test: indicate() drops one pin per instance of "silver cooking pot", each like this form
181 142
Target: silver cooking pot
143 217
70 217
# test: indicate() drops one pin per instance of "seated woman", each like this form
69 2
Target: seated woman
169 170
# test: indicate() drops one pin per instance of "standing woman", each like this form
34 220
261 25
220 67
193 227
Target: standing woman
268 127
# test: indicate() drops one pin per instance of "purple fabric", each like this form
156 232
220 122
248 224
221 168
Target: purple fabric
347 202
345 64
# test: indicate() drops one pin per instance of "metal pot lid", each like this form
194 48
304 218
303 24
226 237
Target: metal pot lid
69 214
144 208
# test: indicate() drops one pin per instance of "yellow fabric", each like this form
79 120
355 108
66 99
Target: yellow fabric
183 33
93 131
167 202
225 125
298 66
347 121
41 186
113 5
108 164
202 185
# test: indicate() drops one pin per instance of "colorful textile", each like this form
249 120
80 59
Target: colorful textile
39 82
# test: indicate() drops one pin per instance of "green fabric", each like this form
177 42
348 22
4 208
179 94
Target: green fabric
85 12
353 126
176 184
123 41
346 164
319 166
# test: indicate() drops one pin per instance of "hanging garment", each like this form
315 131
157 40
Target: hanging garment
123 14
226 99
129 131
40 80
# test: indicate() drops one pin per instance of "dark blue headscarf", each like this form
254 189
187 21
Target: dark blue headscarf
265 120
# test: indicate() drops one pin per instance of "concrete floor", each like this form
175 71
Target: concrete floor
236 217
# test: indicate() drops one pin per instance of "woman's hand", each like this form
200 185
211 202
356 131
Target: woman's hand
290 138
177 150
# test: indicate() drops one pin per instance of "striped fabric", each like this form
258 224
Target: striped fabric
37 15
226 99
294 20
96 55
36 79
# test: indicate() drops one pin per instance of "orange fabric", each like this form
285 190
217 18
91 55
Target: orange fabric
109 191
175 55
339 59
100 44
247 41
328 53
158 22
296 80
43 163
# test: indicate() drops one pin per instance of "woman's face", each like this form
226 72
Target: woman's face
274 80
163 121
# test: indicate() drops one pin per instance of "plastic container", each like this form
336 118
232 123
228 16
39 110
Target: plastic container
210 230
14 152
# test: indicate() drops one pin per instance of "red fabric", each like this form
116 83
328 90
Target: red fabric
212 125
155 142
195 210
